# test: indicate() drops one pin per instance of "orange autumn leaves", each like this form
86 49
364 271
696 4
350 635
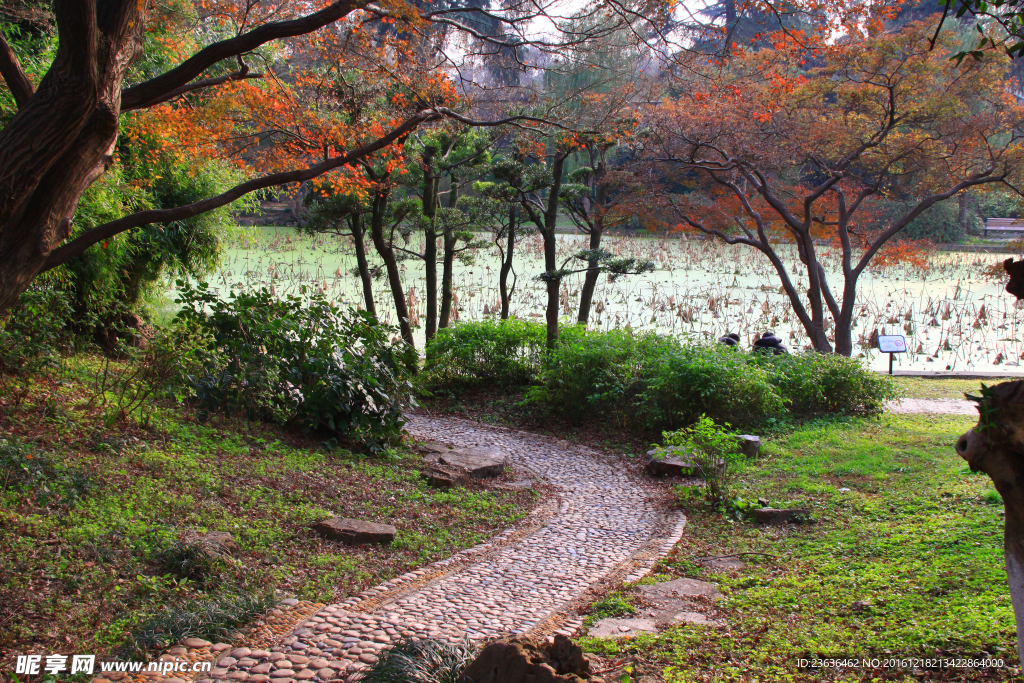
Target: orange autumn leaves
321 95
872 117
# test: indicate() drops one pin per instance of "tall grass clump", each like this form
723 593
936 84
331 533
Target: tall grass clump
421 661
216 618
468 354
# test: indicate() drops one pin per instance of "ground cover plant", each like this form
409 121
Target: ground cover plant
96 517
904 559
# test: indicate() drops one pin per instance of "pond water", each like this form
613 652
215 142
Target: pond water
953 315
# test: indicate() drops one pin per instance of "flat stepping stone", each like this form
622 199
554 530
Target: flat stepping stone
697 619
622 628
437 479
787 516
479 463
680 589
355 531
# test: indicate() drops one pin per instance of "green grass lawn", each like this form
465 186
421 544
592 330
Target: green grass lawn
92 511
906 563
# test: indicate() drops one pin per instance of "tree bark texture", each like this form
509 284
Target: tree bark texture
63 135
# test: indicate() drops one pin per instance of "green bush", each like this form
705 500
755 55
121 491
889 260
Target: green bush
649 381
813 384
33 336
300 362
690 381
713 449
505 352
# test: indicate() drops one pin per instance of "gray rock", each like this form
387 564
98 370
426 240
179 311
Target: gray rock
750 446
354 531
437 479
787 516
620 628
728 562
479 463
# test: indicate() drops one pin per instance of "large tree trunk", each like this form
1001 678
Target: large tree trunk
996 447
387 254
590 279
506 264
358 234
62 139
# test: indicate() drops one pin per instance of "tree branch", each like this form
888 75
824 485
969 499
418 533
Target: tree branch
10 69
108 230
196 85
155 89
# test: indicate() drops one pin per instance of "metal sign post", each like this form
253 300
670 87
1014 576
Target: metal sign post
892 344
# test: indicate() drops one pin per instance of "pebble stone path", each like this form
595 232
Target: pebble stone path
602 524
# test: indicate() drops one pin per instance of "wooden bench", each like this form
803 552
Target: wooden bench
1004 225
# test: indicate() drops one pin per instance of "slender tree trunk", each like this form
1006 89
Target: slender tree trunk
963 201
590 279
358 234
431 185
506 264
448 261
387 254
550 257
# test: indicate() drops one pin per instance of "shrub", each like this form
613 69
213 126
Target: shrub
506 352
421 661
300 362
714 450
813 384
34 333
651 381
689 381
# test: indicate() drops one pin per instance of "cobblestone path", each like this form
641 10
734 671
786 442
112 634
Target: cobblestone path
603 524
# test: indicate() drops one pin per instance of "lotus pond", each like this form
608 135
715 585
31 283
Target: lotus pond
954 314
